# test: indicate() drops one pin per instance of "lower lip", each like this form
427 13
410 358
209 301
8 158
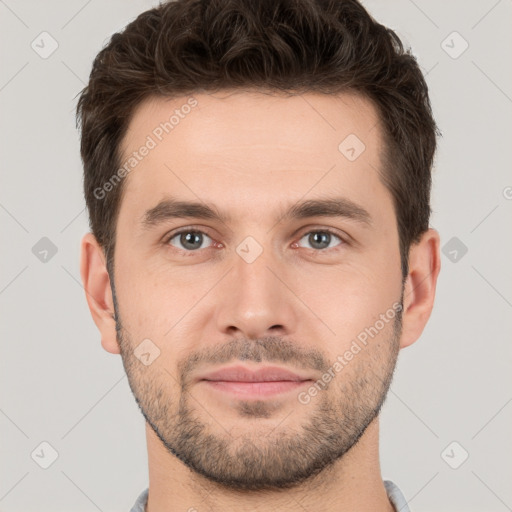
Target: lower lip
255 389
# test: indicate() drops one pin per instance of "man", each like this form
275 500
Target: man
257 176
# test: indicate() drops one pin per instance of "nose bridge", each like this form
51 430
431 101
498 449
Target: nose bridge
253 301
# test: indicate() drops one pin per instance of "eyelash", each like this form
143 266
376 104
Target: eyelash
173 235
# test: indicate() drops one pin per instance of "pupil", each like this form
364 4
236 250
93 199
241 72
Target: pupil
187 239
324 238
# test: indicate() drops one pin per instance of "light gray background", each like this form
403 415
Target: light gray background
58 385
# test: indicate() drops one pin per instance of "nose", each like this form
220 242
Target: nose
256 299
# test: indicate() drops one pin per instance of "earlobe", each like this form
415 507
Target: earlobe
420 286
98 291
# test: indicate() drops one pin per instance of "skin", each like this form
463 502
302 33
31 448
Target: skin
253 155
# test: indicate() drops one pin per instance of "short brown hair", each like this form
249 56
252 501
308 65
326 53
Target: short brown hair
293 46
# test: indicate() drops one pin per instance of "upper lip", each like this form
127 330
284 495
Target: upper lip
240 373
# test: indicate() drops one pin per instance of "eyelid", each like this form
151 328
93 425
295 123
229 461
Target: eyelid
301 233
344 238
188 229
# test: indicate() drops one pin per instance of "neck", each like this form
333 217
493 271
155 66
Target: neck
352 483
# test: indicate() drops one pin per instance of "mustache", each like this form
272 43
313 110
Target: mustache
268 349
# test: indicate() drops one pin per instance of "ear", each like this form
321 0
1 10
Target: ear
420 286
96 282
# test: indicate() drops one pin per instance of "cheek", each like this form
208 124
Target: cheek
162 304
355 303
141 299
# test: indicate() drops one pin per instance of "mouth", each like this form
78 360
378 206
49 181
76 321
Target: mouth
242 382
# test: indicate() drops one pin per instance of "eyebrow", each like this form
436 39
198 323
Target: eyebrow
171 208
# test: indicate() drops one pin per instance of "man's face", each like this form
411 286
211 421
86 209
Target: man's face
256 287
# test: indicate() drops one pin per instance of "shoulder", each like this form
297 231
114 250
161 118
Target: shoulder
140 504
396 497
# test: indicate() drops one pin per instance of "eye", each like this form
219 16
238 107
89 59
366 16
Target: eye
321 239
188 240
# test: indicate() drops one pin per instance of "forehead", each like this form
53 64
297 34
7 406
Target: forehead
213 122
236 145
